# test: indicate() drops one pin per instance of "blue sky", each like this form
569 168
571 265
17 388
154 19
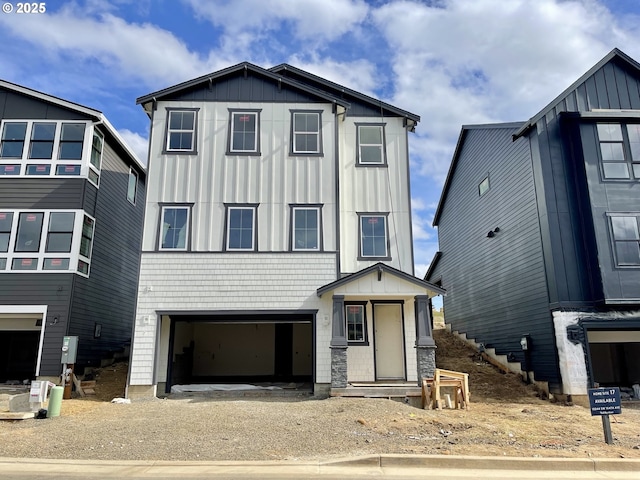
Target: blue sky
452 62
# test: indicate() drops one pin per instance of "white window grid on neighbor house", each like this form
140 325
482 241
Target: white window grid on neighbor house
371 142
50 148
306 132
619 151
244 132
625 234
49 241
181 130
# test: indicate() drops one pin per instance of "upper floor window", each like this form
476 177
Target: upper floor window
49 240
241 227
244 132
619 150
181 131
305 228
44 148
174 230
626 239
484 186
306 133
371 144
132 186
374 237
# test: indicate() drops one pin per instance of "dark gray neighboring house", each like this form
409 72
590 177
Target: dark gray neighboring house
539 235
71 210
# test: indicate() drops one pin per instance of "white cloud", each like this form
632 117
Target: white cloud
137 143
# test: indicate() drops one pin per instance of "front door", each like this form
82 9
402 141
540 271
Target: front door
389 341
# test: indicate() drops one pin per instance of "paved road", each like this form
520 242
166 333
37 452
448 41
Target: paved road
391 467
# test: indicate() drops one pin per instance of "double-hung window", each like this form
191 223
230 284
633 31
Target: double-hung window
241 231
244 132
619 150
306 132
626 238
374 236
174 227
356 321
181 131
371 144
305 229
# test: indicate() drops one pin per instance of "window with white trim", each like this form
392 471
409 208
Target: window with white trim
241 228
356 321
484 186
46 241
374 236
244 132
50 148
132 186
305 228
181 131
619 150
625 231
174 227
371 144
306 134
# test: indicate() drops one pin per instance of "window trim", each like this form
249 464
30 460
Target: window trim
92 168
42 255
167 131
302 206
254 226
365 330
359 162
132 174
613 241
363 215
629 161
187 246
292 144
250 111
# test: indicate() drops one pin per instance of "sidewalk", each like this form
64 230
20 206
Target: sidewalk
391 466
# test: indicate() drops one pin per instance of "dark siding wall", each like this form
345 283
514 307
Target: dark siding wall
53 290
16 106
619 284
496 287
108 296
44 193
569 255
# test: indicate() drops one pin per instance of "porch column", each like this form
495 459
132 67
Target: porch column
425 345
338 344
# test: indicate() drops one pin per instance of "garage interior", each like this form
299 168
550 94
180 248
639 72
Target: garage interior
19 342
615 357
254 349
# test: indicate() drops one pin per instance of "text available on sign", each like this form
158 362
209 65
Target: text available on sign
604 401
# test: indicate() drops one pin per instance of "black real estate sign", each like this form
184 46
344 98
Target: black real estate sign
605 401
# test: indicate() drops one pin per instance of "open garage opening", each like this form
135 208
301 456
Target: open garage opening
224 351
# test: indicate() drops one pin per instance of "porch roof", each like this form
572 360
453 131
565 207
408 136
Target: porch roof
381 269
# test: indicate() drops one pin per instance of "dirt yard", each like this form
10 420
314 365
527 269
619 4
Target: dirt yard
506 418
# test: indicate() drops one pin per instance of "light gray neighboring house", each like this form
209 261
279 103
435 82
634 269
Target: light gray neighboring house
71 208
277 241
539 235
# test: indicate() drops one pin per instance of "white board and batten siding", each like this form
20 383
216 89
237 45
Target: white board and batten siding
211 178
229 281
375 189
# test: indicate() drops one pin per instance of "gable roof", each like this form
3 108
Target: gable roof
456 156
315 86
381 268
341 91
96 115
614 54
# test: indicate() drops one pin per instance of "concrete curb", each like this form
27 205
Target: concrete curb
367 461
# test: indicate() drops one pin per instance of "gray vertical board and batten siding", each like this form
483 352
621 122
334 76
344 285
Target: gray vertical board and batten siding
108 296
567 254
496 287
